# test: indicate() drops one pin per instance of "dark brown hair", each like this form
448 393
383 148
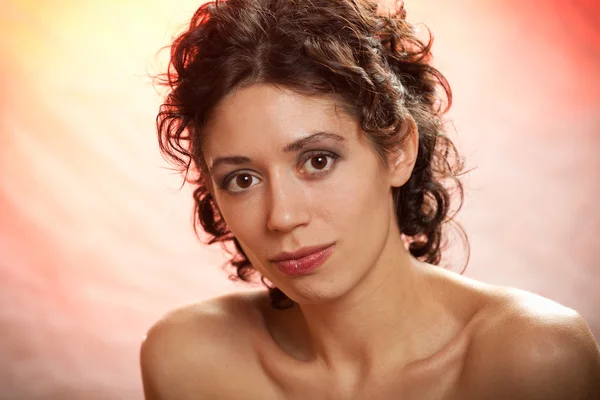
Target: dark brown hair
374 63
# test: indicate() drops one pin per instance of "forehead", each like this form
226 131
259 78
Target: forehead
263 115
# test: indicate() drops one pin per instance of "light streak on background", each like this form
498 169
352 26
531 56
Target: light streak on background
95 238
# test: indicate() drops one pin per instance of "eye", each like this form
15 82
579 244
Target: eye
319 162
239 182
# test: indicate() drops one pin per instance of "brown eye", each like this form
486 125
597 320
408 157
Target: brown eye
318 162
240 182
243 181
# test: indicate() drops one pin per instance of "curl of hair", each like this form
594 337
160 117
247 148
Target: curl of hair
374 63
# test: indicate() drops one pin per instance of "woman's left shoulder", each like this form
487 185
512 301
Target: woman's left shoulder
527 346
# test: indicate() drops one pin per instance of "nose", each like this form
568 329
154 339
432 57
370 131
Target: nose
287 208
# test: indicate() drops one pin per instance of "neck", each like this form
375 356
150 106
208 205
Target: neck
387 316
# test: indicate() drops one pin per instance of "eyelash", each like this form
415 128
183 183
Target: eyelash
309 156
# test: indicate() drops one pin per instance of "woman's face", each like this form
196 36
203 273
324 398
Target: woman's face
291 171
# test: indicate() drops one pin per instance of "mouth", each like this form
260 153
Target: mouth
304 260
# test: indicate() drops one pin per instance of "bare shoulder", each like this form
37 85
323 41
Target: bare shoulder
203 350
529 347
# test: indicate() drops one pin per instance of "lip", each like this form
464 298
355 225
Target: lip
303 252
304 260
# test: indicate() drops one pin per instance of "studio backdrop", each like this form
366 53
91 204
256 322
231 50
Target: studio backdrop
96 239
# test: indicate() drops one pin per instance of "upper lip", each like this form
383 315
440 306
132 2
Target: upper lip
303 252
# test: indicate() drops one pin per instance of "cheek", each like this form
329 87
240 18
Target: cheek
246 224
241 216
355 195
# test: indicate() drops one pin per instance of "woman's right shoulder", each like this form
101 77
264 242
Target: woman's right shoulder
194 349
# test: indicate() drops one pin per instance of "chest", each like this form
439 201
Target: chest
433 379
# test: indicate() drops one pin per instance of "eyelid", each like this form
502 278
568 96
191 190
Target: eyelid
224 183
314 153
306 156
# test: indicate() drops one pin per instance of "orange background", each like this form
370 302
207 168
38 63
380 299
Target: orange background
96 240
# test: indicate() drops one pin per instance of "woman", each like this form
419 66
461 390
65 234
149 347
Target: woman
313 131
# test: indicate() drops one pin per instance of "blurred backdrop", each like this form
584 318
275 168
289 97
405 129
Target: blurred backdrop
96 240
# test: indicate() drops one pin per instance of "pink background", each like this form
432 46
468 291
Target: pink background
96 240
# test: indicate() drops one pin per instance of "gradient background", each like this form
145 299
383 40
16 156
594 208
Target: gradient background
96 240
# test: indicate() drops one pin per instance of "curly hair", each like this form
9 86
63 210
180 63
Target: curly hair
373 62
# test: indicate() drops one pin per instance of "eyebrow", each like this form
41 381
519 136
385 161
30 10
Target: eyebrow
292 147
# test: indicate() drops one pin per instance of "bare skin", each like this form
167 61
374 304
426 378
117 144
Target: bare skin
488 342
371 322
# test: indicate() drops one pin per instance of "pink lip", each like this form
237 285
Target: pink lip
303 252
304 260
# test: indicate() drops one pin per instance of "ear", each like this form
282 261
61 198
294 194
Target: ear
402 161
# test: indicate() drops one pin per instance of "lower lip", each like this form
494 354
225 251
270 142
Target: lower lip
305 264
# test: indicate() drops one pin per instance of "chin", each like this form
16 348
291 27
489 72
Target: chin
315 291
